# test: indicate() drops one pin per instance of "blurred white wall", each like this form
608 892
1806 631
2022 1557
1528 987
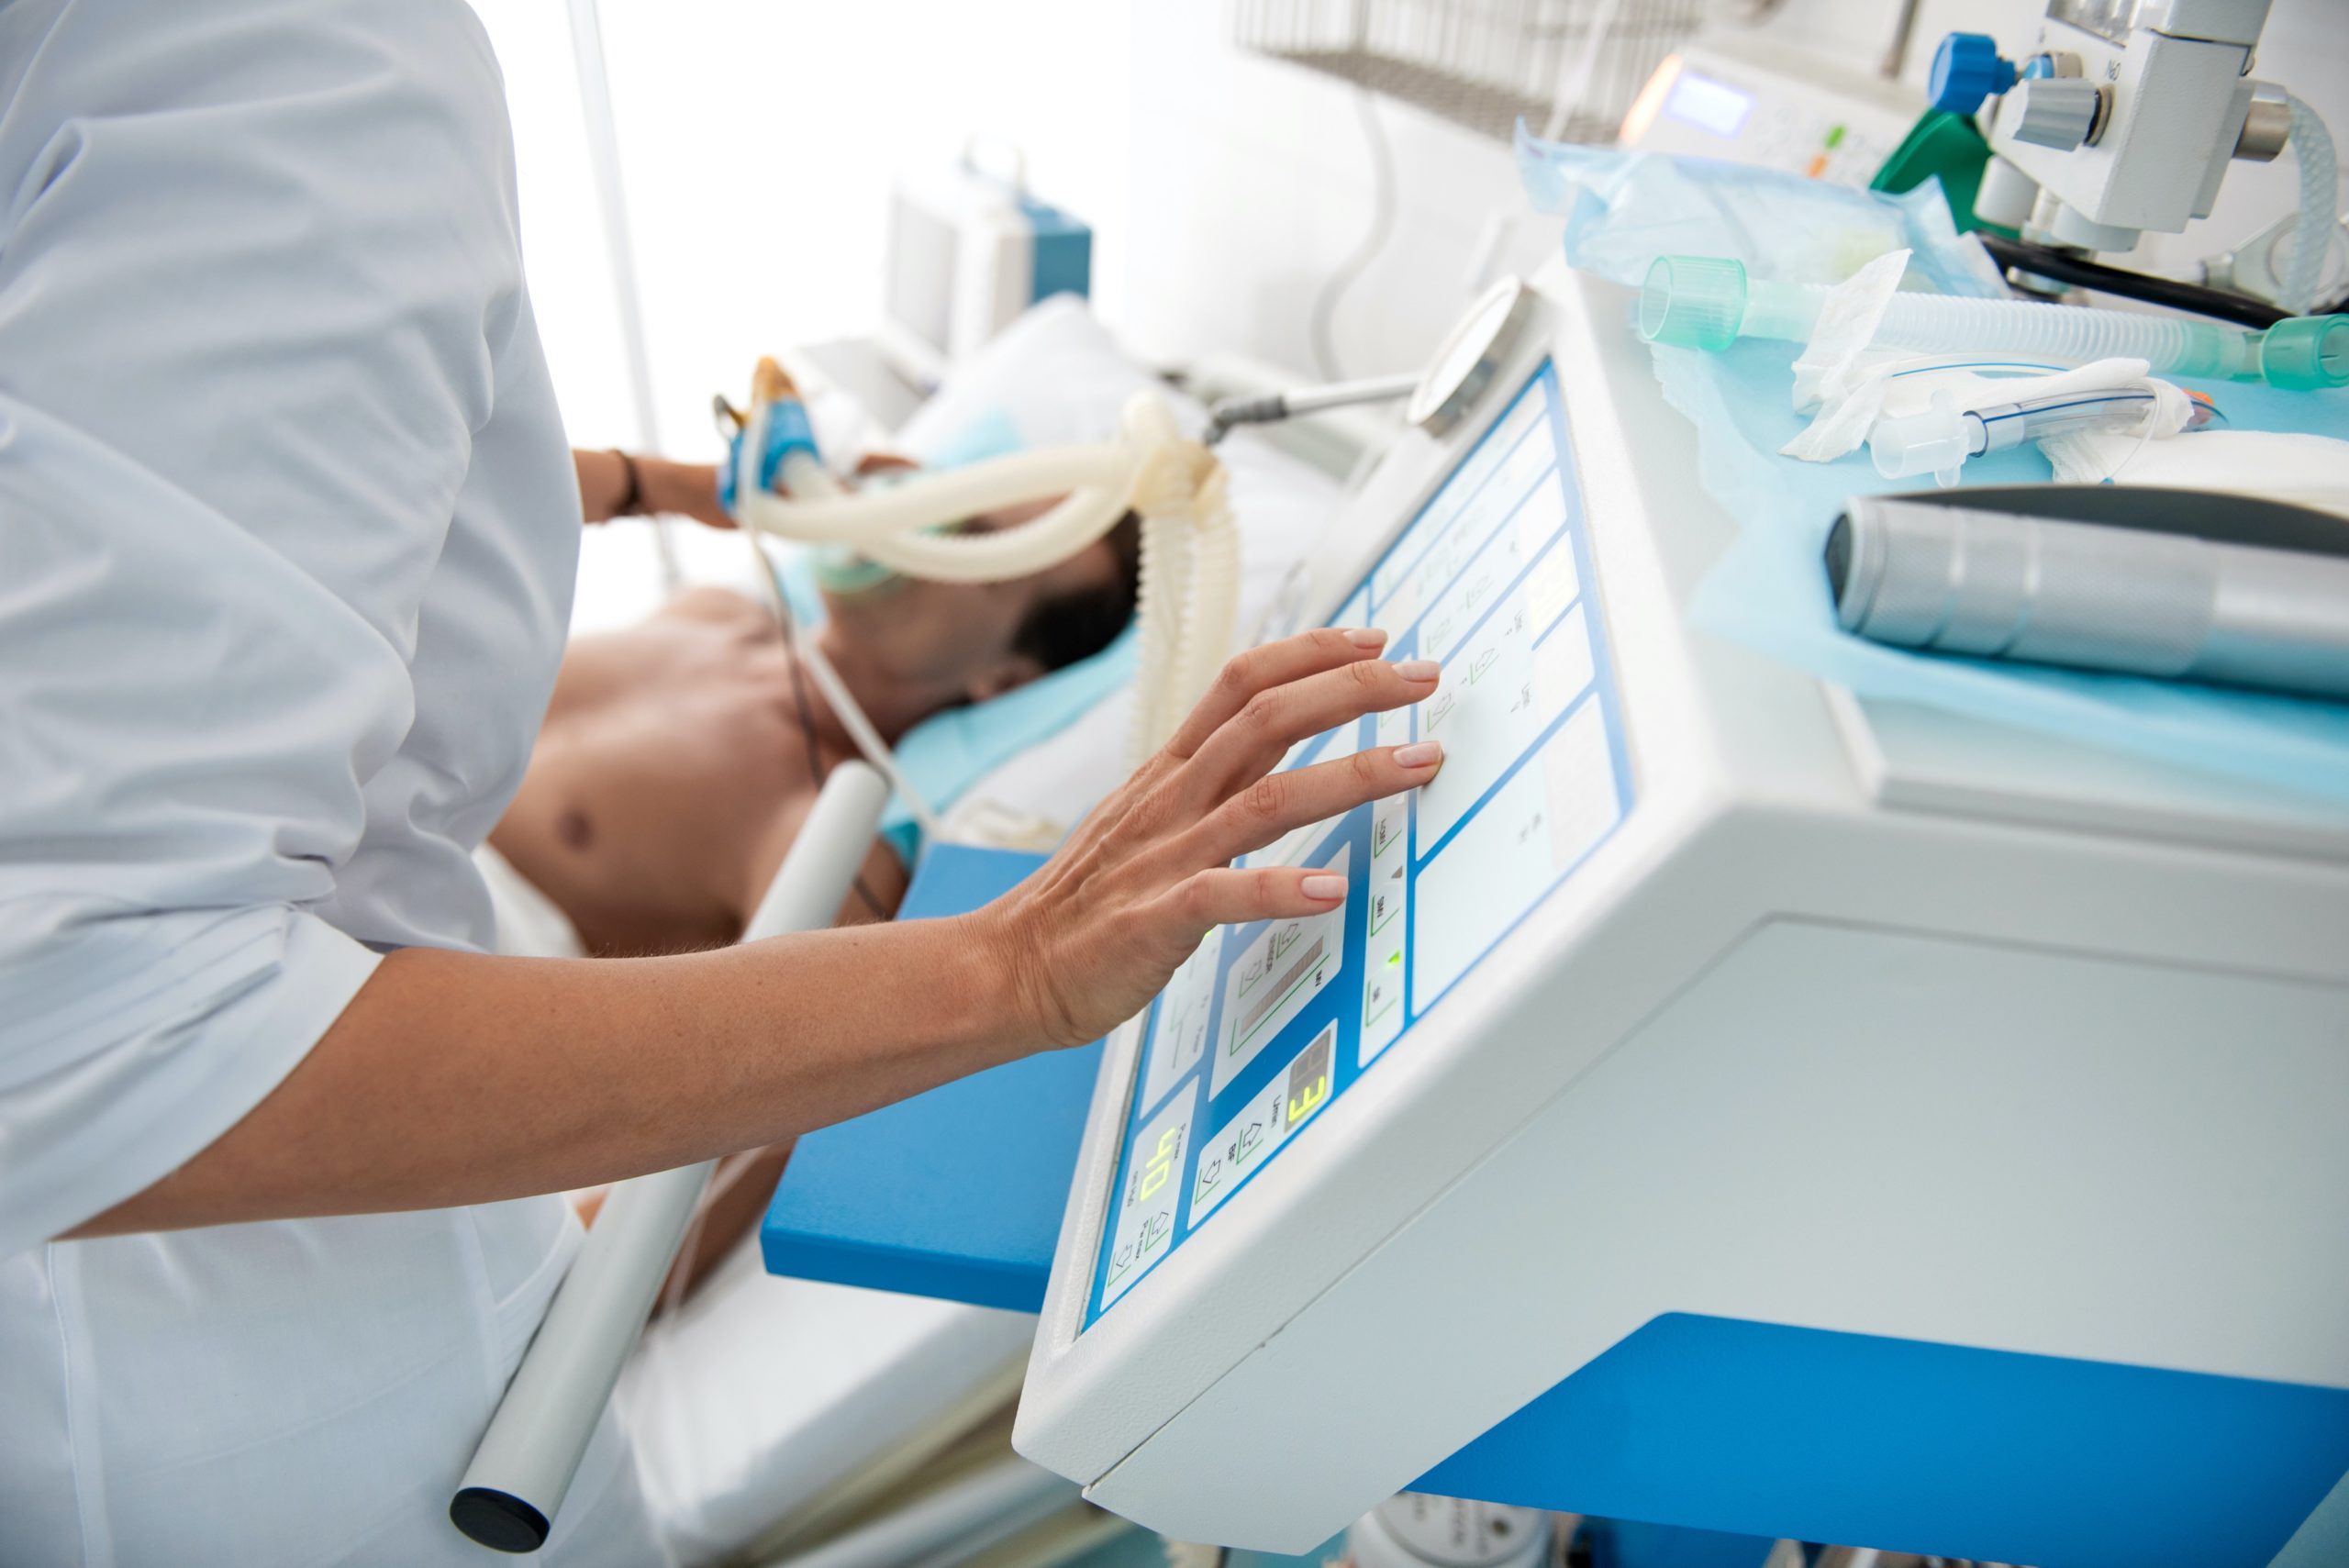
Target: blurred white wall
571 283
1253 180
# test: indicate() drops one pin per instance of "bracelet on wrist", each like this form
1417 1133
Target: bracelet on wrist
631 501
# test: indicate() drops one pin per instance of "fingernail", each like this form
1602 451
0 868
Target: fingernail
1323 884
1419 755
1417 668
1366 636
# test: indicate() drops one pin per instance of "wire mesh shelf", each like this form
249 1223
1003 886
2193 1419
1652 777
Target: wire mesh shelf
1569 67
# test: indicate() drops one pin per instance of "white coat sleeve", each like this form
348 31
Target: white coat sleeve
258 267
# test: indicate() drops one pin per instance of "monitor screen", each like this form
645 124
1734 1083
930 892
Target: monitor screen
1266 1024
1708 104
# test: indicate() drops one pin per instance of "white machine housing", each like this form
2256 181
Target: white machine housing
968 253
1867 1018
1754 100
2175 87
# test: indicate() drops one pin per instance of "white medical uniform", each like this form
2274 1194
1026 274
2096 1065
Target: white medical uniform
287 531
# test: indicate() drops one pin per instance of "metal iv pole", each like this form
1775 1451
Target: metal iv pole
604 157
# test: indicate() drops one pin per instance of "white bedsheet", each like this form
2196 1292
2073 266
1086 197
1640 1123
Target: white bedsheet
760 1394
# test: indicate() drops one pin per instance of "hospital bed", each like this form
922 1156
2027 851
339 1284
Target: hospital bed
769 1413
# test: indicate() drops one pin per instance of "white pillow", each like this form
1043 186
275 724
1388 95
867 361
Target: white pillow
1055 374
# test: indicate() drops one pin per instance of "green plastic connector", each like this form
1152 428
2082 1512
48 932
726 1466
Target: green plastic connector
1692 302
2306 353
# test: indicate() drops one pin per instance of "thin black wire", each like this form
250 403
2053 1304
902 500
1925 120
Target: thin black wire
2240 310
1382 227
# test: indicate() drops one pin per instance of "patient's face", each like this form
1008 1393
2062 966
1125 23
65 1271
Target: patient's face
957 637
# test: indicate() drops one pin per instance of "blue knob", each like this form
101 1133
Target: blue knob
1966 70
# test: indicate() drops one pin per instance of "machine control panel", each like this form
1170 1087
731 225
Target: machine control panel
1266 1024
1746 101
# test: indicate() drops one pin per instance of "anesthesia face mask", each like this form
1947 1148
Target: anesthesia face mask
842 572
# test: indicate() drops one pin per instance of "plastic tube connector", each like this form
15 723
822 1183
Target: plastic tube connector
1935 441
2306 353
1692 302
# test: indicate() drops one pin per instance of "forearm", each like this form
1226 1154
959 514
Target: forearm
456 1078
688 489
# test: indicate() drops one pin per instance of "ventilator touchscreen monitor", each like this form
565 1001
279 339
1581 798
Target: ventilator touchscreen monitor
1267 1024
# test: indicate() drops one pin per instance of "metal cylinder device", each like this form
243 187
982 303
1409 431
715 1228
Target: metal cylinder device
1997 584
527 1458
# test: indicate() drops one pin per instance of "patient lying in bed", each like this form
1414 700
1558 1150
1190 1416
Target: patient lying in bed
679 757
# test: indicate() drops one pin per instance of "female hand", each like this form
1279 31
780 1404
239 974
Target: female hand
1101 927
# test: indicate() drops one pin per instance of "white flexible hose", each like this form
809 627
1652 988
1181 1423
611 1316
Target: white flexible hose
1060 533
1166 492
1190 552
1207 616
928 499
1165 580
2319 198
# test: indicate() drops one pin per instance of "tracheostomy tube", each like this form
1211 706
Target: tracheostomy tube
1940 440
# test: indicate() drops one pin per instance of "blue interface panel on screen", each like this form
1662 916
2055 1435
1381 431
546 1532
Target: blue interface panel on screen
1266 1024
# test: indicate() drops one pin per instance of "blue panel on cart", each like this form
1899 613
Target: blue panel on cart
1776 1431
956 1194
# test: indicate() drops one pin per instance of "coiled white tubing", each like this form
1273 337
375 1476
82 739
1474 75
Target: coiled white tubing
1190 586
2319 195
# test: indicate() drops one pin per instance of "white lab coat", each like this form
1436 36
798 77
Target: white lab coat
287 532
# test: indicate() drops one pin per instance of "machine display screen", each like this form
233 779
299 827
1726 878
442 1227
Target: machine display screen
1265 1025
1708 104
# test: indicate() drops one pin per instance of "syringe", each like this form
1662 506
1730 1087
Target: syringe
1707 302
